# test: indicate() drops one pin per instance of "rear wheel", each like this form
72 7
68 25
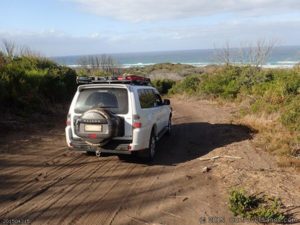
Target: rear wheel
152 147
149 153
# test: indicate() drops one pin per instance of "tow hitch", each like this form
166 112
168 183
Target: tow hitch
98 153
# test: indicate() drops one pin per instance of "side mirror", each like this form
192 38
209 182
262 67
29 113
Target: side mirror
167 102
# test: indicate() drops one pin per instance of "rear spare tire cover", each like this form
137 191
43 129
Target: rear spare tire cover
95 126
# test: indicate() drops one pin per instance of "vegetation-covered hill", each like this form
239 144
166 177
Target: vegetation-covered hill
170 70
33 84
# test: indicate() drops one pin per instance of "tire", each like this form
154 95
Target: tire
102 117
149 153
169 129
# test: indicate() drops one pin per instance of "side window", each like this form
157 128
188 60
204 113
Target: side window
147 98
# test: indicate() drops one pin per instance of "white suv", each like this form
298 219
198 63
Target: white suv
122 116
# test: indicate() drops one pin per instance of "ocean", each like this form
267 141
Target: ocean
282 57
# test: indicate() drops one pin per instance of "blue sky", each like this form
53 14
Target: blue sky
74 27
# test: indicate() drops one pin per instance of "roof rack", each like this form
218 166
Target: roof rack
124 79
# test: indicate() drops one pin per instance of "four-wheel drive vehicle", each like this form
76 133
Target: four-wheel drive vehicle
123 116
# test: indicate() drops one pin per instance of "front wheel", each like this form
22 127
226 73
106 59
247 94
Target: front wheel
169 127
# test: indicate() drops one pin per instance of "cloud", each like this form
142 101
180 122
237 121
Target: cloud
149 10
50 42
163 37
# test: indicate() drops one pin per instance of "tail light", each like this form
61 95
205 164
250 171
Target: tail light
68 121
137 125
136 122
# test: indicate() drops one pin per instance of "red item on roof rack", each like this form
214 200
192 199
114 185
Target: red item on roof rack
133 78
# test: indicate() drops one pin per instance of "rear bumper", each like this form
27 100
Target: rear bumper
114 146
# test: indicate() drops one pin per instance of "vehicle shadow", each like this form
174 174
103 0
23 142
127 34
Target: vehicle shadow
192 140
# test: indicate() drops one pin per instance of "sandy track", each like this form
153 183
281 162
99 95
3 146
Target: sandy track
44 182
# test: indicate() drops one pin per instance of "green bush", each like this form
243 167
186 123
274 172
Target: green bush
221 85
30 84
252 207
163 85
291 114
189 85
229 82
240 204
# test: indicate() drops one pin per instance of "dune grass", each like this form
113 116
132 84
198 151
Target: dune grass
262 209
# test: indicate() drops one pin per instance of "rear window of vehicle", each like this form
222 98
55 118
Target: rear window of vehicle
113 99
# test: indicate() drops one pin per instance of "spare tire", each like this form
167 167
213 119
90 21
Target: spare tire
98 126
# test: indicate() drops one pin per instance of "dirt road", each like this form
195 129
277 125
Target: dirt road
42 182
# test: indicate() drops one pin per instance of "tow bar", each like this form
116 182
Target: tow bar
98 153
